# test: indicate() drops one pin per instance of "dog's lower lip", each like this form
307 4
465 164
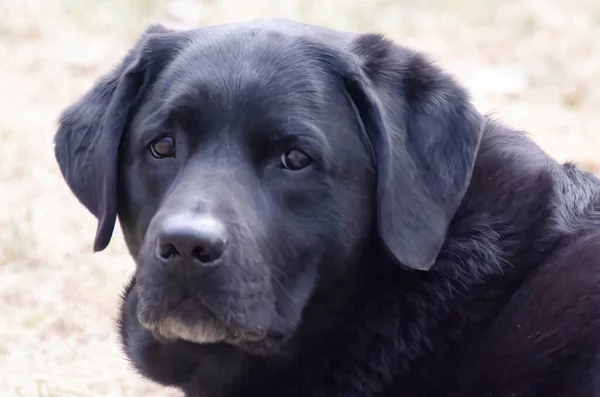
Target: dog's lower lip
160 338
190 303
251 338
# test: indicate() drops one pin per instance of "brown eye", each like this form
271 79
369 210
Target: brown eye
295 160
163 148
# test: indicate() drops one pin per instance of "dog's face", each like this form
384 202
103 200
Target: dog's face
239 173
252 164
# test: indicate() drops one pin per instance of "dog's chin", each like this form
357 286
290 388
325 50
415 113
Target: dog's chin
193 322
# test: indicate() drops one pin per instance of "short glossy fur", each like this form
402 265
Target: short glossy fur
426 251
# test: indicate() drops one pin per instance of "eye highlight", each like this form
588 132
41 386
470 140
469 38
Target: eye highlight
163 147
294 160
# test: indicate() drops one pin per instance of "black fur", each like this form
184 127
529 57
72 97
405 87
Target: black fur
427 251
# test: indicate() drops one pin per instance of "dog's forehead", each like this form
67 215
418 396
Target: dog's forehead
229 61
245 72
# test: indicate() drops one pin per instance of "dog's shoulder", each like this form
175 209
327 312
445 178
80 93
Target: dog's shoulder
546 220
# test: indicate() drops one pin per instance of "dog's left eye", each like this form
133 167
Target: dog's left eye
163 147
294 160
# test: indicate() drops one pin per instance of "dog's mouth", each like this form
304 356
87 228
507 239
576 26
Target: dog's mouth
188 320
194 321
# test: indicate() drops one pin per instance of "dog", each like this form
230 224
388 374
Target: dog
315 212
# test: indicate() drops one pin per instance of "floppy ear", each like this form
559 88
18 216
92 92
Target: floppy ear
89 131
425 134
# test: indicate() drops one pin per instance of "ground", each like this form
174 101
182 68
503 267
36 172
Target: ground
535 64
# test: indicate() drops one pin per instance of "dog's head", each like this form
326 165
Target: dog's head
251 163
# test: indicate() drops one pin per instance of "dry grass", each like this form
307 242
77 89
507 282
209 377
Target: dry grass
534 63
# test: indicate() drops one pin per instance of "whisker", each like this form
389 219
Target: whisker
285 290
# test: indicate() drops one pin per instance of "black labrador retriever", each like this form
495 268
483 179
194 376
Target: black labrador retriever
325 213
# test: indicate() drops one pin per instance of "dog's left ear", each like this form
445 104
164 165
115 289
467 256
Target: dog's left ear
425 134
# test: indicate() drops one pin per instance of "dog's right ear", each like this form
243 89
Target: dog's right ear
89 131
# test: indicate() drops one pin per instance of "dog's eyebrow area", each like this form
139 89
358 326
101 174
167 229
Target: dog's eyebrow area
297 130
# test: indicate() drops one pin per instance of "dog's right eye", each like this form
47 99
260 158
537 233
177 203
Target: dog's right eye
295 160
163 147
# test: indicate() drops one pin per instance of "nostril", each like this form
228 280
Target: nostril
202 254
167 251
208 253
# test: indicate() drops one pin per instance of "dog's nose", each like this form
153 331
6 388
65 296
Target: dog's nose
197 239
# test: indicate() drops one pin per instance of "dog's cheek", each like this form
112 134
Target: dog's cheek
141 190
356 229
133 224
293 294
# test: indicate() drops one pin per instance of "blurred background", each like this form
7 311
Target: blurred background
535 64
